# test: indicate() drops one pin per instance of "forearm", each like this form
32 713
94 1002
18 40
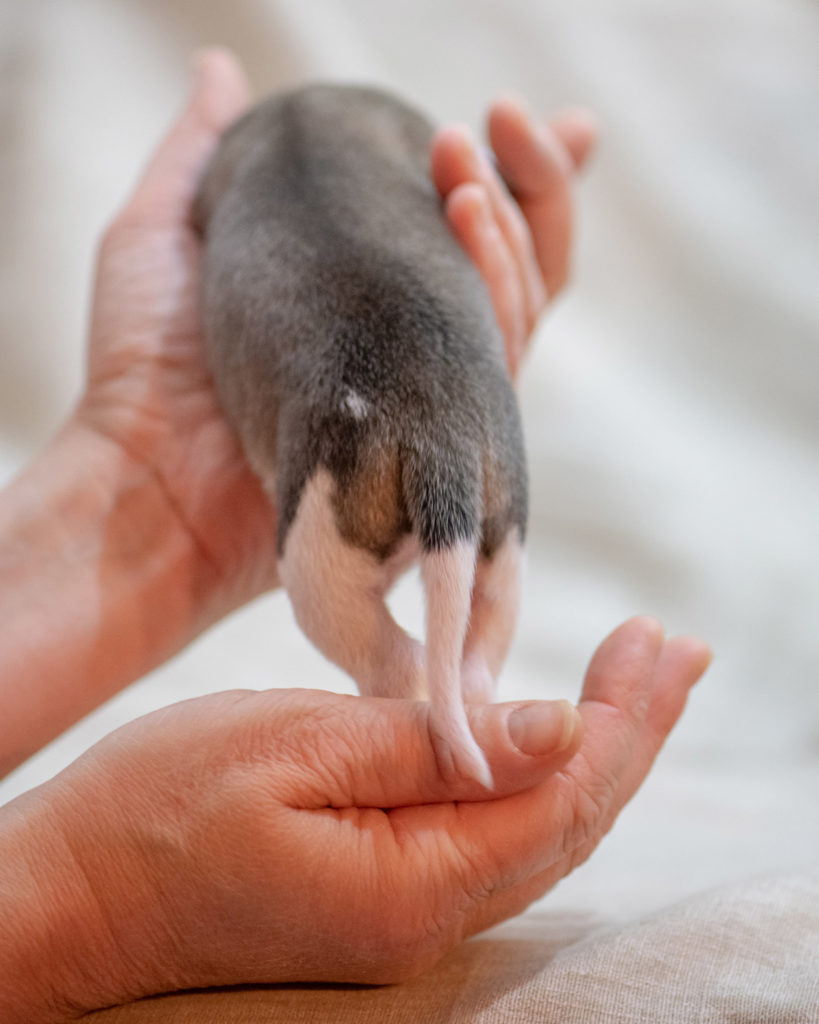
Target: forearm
99 583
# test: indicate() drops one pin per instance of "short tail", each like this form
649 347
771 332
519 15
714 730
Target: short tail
448 575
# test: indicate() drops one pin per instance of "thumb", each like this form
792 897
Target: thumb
219 94
376 752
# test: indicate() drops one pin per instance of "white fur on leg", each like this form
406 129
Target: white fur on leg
337 592
447 576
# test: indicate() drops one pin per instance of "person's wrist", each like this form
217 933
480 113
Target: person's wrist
100 584
57 958
83 922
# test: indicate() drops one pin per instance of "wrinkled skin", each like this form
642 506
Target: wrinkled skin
301 835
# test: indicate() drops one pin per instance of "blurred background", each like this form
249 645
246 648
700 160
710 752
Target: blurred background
671 404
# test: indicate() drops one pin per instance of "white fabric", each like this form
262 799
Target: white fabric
671 405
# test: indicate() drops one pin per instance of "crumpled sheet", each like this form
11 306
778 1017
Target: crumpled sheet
670 404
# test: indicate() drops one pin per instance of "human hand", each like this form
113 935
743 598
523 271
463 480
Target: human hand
304 836
149 389
515 220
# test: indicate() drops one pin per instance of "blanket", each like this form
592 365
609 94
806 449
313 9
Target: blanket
672 423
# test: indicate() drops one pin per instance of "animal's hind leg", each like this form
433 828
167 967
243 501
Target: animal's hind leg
337 591
495 605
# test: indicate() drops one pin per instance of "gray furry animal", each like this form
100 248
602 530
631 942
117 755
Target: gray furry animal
354 348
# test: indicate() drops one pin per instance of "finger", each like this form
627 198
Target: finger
528 832
455 161
342 751
219 94
681 664
577 129
619 675
568 808
470 217
614 704
532 160
537 167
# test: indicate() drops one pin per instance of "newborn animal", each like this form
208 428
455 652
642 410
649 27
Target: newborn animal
355 350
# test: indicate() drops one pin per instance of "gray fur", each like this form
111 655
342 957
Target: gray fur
347 329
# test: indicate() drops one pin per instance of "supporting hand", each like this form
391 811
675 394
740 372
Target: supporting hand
148 386
304 836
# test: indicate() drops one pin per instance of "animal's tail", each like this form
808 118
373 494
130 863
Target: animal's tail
442 490
448 574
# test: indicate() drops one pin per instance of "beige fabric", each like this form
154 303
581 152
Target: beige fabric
672 422
747 954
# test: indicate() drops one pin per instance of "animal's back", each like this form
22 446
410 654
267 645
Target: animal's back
347 330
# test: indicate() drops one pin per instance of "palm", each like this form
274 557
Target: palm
150 391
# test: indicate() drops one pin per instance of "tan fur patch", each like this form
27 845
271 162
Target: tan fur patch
370 511
496 506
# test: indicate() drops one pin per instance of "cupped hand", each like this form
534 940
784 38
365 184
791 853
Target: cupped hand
304 836
149 389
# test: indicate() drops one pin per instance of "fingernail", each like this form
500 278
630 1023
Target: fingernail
545 727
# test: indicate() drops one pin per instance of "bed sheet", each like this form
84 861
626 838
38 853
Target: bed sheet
670 405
